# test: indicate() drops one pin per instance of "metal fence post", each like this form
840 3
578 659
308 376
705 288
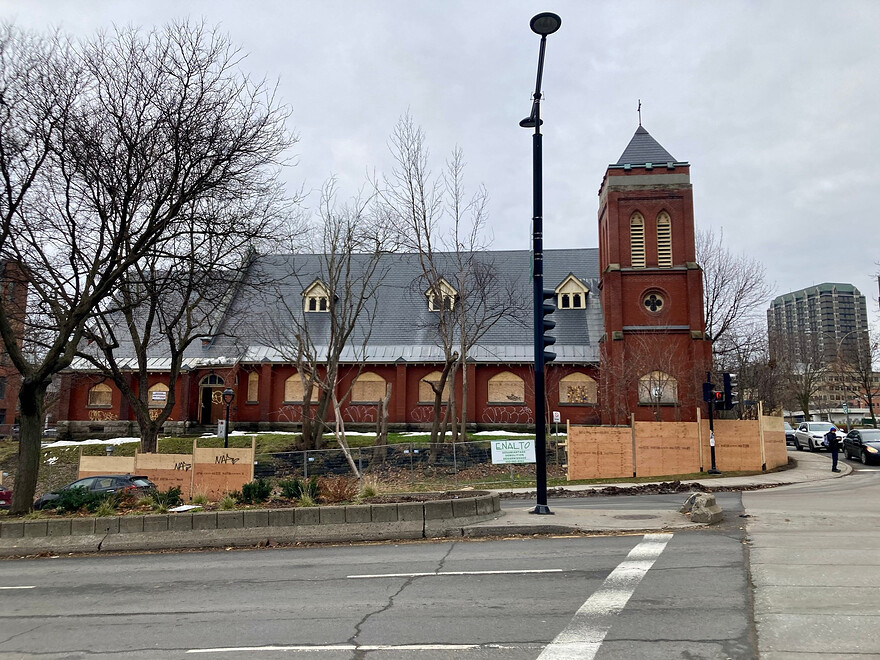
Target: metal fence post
412 476
360 463
454 463
305 465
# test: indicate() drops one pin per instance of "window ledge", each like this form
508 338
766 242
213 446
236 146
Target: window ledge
574 403
662 404
505 403
99 407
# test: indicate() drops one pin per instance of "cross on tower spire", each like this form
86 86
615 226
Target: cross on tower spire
640 112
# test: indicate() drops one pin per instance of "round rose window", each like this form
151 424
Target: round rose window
653 302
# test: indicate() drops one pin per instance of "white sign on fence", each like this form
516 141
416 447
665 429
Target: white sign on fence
557 417
513 451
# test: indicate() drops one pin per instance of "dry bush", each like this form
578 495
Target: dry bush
338 489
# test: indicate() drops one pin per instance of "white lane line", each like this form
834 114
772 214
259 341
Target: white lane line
447 573
586 631
33 586
355 647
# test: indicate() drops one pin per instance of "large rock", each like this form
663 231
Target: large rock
703 508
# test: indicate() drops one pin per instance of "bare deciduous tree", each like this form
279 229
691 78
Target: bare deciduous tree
735 289
105 150
445 229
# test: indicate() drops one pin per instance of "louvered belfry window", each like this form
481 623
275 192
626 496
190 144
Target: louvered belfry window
637 240
664 240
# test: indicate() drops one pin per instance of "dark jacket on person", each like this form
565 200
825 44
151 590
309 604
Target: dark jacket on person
832 441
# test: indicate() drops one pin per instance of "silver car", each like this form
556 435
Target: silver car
811 435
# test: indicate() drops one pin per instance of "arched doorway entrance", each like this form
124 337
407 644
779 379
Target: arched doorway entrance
211 399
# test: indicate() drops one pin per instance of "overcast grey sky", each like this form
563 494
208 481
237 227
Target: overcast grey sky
774 104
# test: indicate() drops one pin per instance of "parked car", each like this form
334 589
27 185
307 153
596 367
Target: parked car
5 497
790 438
104 483
810 435
862 444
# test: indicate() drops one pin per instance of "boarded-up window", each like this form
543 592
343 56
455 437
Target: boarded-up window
157 396
426 392
577 388
658 387
293 389
507 388
664 240
253 392
101 396
637 240
368 388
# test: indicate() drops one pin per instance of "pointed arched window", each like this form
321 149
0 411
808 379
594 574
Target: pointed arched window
637 240
664 240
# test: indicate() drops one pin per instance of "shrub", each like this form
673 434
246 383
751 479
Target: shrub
306 500
146 500
369 487
255 491
167 498
200 498
74 499
339 489
226 503
294 489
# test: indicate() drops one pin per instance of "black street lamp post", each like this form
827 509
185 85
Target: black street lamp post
542 24
228 396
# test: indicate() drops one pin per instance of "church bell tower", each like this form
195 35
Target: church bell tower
655 352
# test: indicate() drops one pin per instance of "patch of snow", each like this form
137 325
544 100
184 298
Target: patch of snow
71 443
505 433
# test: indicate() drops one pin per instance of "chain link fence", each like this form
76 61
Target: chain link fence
416 464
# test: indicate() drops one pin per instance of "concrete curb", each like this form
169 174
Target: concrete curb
368 522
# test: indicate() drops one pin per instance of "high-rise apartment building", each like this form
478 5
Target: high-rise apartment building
818 325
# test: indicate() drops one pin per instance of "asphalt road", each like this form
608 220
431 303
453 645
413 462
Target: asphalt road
816 568
681 595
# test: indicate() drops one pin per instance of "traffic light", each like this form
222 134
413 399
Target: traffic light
731 396
718 398
548 324
707 391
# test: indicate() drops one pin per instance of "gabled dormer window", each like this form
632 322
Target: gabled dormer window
571 294
441 296
316 297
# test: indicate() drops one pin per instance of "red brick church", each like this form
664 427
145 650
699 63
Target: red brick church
630 331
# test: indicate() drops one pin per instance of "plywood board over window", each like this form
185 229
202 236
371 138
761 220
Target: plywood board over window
253 387
293 389
506 388
158 395
368 387
101 396
577 388
658 387
426 392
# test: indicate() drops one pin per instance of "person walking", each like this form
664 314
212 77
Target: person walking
833 445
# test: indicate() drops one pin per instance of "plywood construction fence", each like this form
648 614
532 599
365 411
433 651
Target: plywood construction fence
646 449
206 471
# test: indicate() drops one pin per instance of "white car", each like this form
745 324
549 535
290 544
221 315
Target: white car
811 435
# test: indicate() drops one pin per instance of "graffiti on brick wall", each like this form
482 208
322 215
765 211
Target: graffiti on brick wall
102 416
154 413
359 414
290 414
508 415
422 414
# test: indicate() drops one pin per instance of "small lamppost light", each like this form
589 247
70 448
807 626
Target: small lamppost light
545 23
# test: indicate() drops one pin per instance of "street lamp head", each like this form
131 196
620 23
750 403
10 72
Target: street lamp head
228 395
545 23
529 122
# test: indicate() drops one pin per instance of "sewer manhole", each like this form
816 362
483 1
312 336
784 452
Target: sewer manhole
636 516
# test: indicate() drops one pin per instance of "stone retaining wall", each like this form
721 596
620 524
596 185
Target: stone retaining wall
365 522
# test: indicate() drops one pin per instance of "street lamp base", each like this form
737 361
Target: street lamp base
542 510
714 471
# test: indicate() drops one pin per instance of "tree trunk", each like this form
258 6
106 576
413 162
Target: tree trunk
438 398
31 397
380 449
340 437
464 400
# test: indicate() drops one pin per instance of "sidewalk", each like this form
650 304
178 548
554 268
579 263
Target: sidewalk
569 518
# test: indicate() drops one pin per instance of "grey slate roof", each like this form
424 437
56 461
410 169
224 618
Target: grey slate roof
403 328
643 149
